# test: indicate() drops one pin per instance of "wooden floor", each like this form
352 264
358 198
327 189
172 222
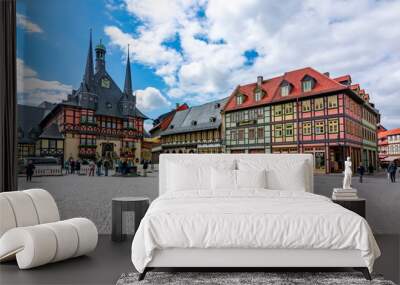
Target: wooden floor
110 260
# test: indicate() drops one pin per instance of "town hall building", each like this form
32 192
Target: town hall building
98 120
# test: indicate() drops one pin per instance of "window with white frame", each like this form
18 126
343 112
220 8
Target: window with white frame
285 89
258 95
307 85
239 99
319 127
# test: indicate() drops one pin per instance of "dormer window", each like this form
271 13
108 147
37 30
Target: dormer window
108 105
285 90
194 123
307 83
258 95
239 99
213 119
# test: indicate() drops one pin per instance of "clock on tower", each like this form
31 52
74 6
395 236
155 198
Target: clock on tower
105 83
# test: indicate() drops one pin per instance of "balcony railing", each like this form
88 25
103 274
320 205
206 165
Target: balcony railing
88 123
88 146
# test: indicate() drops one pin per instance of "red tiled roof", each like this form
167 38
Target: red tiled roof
389 133
382 136
323 84
343 78
355 87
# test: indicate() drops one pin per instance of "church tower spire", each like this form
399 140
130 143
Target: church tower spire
100 57
128 78
89 74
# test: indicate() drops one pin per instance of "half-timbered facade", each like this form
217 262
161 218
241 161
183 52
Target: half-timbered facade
246 119
195 130
33 141
309 112
160 124
98 119
389 146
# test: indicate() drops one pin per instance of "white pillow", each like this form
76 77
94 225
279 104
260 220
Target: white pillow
291 177
251 178
281 174
183 177
223 179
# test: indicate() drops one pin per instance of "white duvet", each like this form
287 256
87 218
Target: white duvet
250 219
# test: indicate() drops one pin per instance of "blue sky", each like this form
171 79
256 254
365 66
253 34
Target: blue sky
58 52
196 51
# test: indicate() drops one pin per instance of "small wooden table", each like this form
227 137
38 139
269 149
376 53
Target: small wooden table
139 205
355 205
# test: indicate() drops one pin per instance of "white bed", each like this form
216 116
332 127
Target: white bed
193 224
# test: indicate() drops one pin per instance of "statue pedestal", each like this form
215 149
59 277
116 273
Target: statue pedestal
344 194
344 190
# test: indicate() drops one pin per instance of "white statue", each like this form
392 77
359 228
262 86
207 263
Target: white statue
347 174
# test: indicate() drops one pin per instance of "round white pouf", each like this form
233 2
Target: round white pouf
51 242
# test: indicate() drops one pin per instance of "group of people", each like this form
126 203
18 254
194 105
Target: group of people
361 171
103 166
74 167
391 171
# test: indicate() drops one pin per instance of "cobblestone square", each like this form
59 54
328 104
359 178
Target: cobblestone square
91 196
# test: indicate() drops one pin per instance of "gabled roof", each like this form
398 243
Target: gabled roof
323 84
343 78
183 121
162 122
51 132
355 87
389 133
29 118
109 101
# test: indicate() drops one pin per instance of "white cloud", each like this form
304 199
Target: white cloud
148 125
32 90
151 99
213 37
27 25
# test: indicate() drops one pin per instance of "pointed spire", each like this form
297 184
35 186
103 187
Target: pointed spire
89 74
128 78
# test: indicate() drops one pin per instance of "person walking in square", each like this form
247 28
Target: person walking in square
92 166
145 166
72 165
66 167
392 169
30 169
361 171
99 164
106 167
78 167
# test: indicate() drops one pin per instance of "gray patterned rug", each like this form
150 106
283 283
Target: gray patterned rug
243 278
